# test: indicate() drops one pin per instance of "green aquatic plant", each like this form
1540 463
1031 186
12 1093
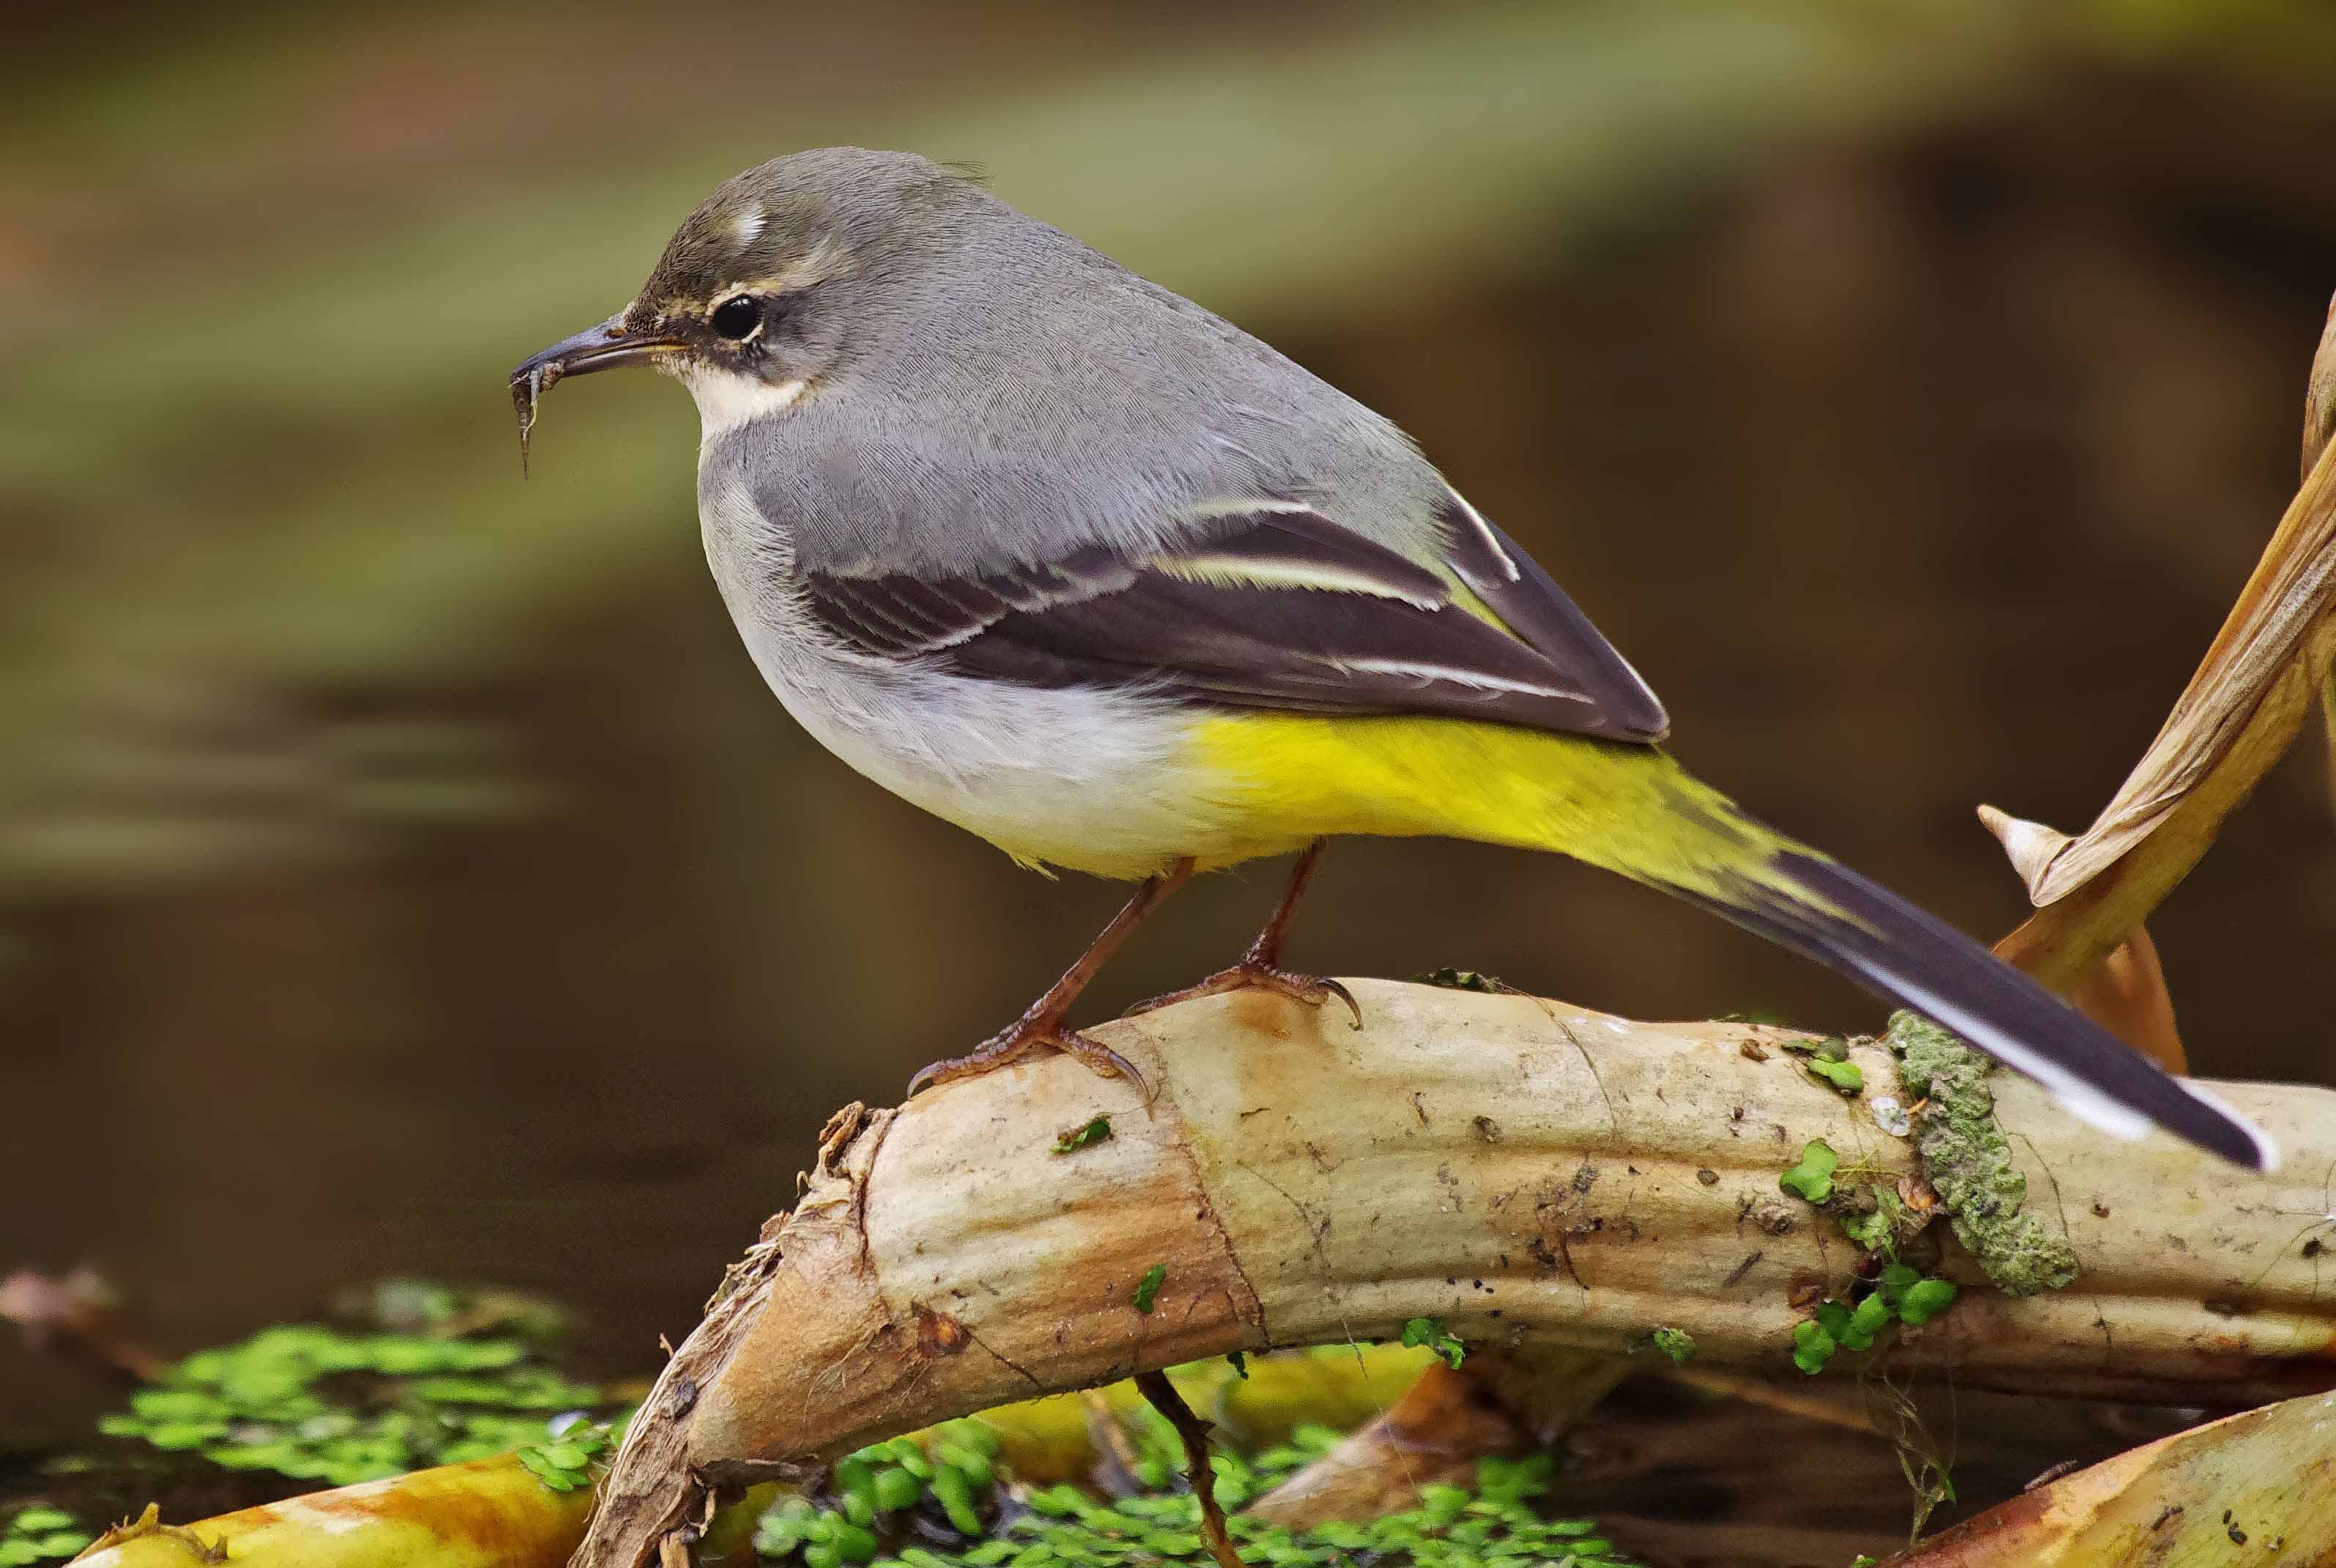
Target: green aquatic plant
324 1404
1828 1060
1079 1137
570 1460
1676 1343
1925 1299
1843 1076
1430 1334
1812 1178
1880 1227
1900 1294
1812 1346
339 1406
1454 979
944 1501
41 1533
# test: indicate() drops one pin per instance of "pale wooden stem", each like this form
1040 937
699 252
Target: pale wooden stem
1533 1174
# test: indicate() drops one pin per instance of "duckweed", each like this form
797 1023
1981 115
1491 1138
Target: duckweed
1828 1060
943 1502
1812 1178
1676 1343
1458 980
1079 1137
41 1534
1901 1294
1429 1333
568 1462
337 1407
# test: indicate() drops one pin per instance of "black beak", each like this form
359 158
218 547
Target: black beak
602 347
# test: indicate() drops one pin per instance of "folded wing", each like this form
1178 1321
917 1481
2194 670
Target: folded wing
1270 605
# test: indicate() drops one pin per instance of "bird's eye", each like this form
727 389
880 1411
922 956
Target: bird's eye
736 318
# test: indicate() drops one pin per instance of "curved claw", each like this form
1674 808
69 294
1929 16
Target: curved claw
1004 1049
1313 990
932 1073
1354 1008
1101 1060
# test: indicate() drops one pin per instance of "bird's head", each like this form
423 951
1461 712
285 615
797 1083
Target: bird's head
760 292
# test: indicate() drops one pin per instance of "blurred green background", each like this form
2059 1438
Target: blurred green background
402 870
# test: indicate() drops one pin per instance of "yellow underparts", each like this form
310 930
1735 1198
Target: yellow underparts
1286 779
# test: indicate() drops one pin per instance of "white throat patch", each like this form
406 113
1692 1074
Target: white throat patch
726 400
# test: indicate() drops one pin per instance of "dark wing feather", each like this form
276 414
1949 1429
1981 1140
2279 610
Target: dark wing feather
899 615
1225 620
1523 596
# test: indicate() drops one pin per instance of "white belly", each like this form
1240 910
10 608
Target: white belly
1095 780
1080 780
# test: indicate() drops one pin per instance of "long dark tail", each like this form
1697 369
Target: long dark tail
1634 810
1825 911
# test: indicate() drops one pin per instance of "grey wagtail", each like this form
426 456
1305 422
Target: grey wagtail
1063 557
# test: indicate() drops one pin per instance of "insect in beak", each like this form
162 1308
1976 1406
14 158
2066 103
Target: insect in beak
603 347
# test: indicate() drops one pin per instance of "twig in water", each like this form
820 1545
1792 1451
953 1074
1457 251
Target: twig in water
1194 1432
77 1312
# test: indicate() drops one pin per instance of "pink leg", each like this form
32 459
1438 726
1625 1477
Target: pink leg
1041 1027
1259 969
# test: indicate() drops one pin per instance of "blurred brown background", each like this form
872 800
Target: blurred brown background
402 870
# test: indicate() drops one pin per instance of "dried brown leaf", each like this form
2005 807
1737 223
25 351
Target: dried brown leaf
2257 1488
2266 668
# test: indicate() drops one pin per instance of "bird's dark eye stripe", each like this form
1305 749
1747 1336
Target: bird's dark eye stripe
737 316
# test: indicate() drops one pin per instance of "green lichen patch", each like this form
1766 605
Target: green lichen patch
1967 1158
41 1533
1429 1333
948 1502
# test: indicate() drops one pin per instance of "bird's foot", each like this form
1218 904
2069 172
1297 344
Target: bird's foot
1011 1045
1254 973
